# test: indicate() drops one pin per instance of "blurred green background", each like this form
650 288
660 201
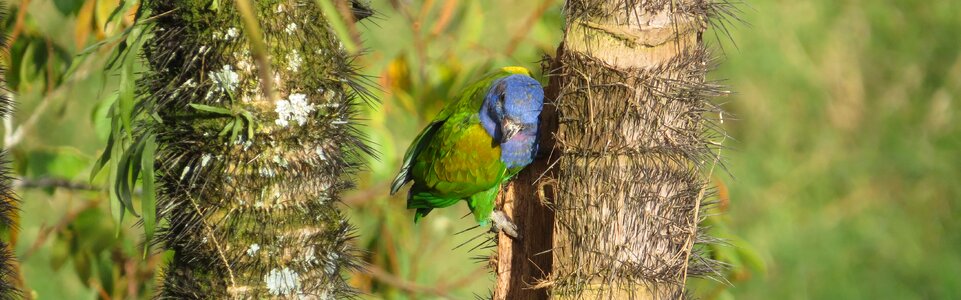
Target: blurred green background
845 149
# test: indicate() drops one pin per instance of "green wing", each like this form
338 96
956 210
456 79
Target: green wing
419 143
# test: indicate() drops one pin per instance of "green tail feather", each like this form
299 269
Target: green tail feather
425 202
421 213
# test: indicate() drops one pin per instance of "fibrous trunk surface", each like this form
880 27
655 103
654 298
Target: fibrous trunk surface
248 180
8 199
633 148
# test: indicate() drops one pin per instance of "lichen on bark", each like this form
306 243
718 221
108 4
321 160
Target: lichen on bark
251 207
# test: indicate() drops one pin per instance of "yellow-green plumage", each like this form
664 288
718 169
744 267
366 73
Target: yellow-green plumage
454 158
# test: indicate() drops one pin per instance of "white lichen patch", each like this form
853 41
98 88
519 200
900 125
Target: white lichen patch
330 265
232 32
321 153
225 79
205 159
309 258
325 295
282 282
295 108
291 28
252 250
267 172
244 63
294 60
184 173
280 161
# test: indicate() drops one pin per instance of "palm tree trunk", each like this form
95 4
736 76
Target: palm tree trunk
10 280
249 180
633 149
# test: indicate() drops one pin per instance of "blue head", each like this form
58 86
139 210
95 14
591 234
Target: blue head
510 114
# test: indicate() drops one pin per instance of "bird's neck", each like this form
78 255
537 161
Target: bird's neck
519 150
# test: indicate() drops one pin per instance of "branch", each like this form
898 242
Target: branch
51 182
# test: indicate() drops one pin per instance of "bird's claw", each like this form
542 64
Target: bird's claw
502 223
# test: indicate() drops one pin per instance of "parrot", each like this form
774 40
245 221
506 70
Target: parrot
476 142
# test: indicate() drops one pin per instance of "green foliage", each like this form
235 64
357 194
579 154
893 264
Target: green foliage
242 120
69 247
124 156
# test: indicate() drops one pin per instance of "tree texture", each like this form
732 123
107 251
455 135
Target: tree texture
249 179
632 152
8 199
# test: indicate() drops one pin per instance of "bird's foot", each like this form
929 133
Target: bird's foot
502 223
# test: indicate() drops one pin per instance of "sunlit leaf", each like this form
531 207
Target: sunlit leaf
117 13
211 109
148 202
126 97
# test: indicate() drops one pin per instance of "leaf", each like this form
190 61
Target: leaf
28 67
100 116
105 271
102 15
104 158
122 53
226 129
109 40
250 124
148 203
238 124
126 97
127 174
212 109
116 206
118 12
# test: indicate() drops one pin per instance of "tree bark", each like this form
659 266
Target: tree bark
10 280
633 150
520 265
249 194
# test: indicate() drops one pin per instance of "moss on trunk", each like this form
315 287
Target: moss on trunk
8 199
250 207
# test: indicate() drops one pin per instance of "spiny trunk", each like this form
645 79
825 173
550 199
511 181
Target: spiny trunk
252 216
8 199
633 149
